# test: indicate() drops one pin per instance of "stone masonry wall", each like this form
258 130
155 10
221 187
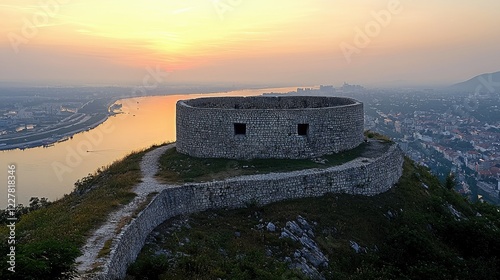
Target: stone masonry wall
362 176
205 127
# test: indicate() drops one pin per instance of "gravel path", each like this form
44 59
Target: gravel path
149 167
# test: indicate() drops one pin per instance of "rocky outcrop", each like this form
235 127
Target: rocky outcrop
362 176
309 259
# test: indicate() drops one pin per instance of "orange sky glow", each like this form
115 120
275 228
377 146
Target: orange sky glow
374 42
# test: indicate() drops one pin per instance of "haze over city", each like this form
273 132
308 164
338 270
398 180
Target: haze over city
374 43
250 139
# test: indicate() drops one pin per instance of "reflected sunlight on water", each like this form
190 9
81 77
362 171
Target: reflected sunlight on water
51 172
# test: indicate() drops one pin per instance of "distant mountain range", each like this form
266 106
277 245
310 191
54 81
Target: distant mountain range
481 83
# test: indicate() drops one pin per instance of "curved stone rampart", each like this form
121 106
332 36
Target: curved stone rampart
268 127
362 176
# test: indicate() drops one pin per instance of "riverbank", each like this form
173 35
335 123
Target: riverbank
51 172
49 138
91 115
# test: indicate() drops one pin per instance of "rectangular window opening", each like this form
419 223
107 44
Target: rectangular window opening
302 129
240 129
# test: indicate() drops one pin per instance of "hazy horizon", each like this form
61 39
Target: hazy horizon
235 42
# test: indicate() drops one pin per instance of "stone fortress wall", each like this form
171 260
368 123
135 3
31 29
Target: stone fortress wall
362 176
261 127
268 127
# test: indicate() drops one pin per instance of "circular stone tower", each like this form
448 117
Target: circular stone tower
268 127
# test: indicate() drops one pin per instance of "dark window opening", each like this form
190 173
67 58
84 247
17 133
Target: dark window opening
240 129
302 129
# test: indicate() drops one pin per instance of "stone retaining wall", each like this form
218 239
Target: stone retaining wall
362 176
269 127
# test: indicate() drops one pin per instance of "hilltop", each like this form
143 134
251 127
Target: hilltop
418 229
484 83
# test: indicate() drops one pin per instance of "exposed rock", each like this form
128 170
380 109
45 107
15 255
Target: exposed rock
320 160
284 234
172 201
269 252
357 248
315 257
297 254
389 215
163 252
303 223
294 228
309 259
271 227
458 216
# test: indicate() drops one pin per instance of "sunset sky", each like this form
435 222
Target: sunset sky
278 42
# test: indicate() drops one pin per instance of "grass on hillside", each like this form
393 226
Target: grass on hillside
419 239
178 168
70 220
375 135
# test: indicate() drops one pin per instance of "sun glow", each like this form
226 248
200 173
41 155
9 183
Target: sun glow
192 34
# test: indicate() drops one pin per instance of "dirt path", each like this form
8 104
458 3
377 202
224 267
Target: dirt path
89 259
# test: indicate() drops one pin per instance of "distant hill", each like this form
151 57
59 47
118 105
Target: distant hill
479 83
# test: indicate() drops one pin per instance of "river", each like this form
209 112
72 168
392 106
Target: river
51 172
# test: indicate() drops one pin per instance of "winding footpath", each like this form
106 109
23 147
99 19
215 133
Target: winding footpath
89 261
126 230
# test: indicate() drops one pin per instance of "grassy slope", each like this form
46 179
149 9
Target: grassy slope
178 168
48 239
55 233
422 240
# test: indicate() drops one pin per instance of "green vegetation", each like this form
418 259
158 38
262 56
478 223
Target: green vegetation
417 230
212 251
106 249
450 181
375 135
35 204
48 239
126 220
179 168
420 229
